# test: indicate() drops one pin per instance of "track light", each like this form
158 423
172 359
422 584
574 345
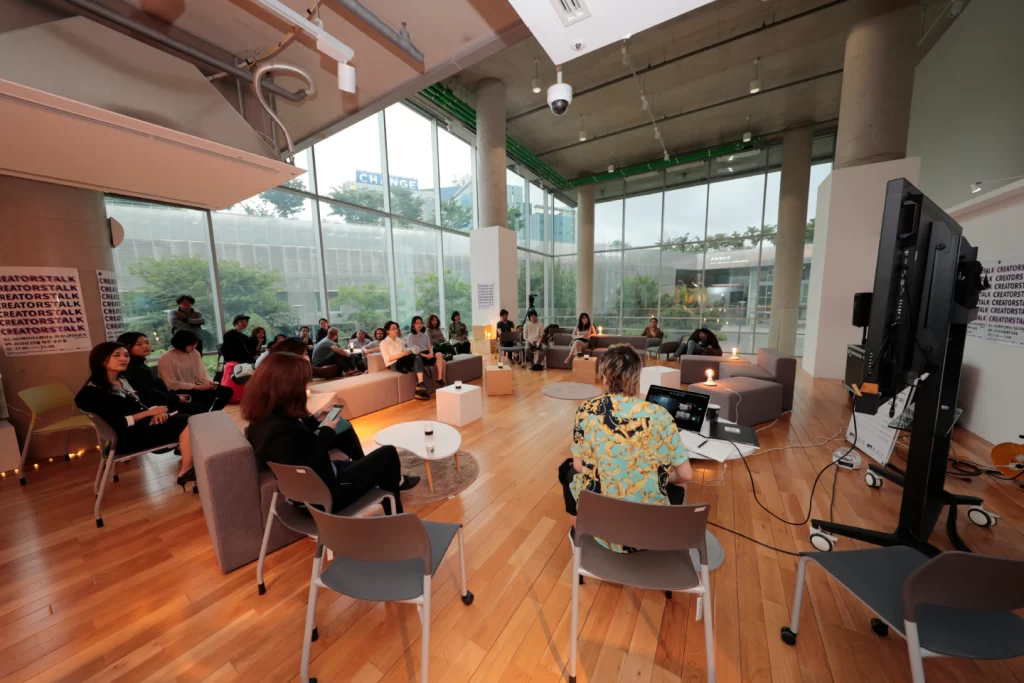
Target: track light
611 168
748 135
975 187
536 76
643 102
756 85
583 132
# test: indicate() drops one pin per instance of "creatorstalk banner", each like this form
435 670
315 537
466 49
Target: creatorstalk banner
42 311
110 304
1001 307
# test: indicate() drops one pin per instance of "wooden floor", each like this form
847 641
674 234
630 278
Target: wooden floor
144 600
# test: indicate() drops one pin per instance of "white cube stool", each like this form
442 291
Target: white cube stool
658 375
458 407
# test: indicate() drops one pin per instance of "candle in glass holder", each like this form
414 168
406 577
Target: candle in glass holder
734 352
600 330
710 375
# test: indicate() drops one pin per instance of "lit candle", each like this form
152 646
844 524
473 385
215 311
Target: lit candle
36 466
710 375
600 330
734 352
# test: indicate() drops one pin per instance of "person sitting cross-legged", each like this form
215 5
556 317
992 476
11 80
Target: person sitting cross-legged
399 358
328 352
183 371
624 446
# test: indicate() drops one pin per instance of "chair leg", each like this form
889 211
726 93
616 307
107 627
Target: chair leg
425 638
789 632
467 597
709 631
103 487
574 612
307 640
24 451
914 650
261 589
99 473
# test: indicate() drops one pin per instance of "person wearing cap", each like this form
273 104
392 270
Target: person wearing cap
188 319
236 342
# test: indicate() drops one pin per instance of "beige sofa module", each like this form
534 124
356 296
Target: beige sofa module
363 394
772 366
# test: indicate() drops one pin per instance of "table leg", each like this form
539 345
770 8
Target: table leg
430 477
458 465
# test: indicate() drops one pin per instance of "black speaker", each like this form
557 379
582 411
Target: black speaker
861 309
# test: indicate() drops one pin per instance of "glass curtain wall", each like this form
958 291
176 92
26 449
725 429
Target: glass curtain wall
375 228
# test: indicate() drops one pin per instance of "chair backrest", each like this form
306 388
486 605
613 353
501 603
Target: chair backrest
642 525
392 538
510 337
301 484
104 431
967 581
47 397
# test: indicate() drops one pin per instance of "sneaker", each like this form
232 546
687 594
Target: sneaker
408 482
442 383
537 366
421 394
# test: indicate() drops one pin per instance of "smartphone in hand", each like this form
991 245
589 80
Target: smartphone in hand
335 411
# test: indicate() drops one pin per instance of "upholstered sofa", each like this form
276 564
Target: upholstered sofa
772 366
381 388
558 353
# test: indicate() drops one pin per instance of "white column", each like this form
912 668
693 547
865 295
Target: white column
493 268
585 250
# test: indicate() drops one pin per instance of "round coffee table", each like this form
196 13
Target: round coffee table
409 435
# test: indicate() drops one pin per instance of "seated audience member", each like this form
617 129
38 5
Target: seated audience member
187 318
458 334
373 346
321 331
419 342
305 339
138 426
547 338
295 346
359 340
623 446
281 430
236 344
581 336
533 330
400 359
654 334
505 325
437 340
702 342
266 351
328 352
145 380
257 341
182 369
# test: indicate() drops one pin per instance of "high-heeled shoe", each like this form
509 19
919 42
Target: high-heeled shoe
186 478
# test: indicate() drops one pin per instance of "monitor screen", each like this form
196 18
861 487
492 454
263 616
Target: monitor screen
686 407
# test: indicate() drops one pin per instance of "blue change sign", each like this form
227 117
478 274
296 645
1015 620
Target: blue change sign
372 178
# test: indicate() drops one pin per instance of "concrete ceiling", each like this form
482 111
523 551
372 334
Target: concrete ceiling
470 30
696 71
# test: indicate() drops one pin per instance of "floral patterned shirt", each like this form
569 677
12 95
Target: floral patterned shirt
628 447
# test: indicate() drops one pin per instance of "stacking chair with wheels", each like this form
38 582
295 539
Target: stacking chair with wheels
665 533
381 559
302 484
109 457
41 400
953 605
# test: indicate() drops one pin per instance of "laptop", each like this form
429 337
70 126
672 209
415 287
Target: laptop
686 407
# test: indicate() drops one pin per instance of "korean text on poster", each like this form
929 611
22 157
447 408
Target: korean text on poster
42 311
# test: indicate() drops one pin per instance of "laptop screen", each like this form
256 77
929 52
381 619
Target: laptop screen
686 407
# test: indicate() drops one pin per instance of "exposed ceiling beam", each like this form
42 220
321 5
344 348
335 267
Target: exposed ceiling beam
683 114
687 55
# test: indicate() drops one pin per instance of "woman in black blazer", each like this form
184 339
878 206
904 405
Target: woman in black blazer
138 426
281 430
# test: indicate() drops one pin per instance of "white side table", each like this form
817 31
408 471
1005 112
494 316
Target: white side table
409 435
658 375
458 406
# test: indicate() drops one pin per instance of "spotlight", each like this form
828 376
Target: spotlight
583 132
536 76
756 85
748 136
710 374
976 187
611 168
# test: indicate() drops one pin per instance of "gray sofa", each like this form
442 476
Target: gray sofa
234 493
772 366
558 353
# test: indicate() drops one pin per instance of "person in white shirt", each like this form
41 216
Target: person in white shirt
581 336
400 359
532 333
183 371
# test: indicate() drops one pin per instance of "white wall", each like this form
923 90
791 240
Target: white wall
966 117
993 373
492 261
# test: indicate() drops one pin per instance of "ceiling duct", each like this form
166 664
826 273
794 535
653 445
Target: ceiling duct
87 106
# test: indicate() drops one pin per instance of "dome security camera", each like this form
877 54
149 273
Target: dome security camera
559 96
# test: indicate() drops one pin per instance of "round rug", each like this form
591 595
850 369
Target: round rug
573 391
447 480
716 553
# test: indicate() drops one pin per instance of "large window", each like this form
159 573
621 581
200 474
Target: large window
608 225
455 161
458 295
355 265
410 163
643 220
518 208
563 282
416 281
349 165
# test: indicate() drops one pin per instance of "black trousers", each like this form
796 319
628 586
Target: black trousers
462 347
380 468
344 363
566 472
205 401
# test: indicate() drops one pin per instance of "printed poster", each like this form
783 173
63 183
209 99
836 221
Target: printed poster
1001 307
485 294
42 311
110 304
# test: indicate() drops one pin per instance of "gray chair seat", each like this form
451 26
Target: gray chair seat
389 581
299 520
876 577
648 569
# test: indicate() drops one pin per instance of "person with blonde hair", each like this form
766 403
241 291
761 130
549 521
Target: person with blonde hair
624 446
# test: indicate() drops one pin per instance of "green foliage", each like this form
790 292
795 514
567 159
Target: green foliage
245 289
457 295
362 307
456 215
277 203
748 239
404 202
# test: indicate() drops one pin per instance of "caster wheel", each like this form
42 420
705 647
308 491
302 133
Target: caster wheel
467 599
581 580
99 523
981 517
821 542
880 627
116 479
872 480
312 680
668 595
22 481
195 488
316 634
788 637
261 589
572 679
